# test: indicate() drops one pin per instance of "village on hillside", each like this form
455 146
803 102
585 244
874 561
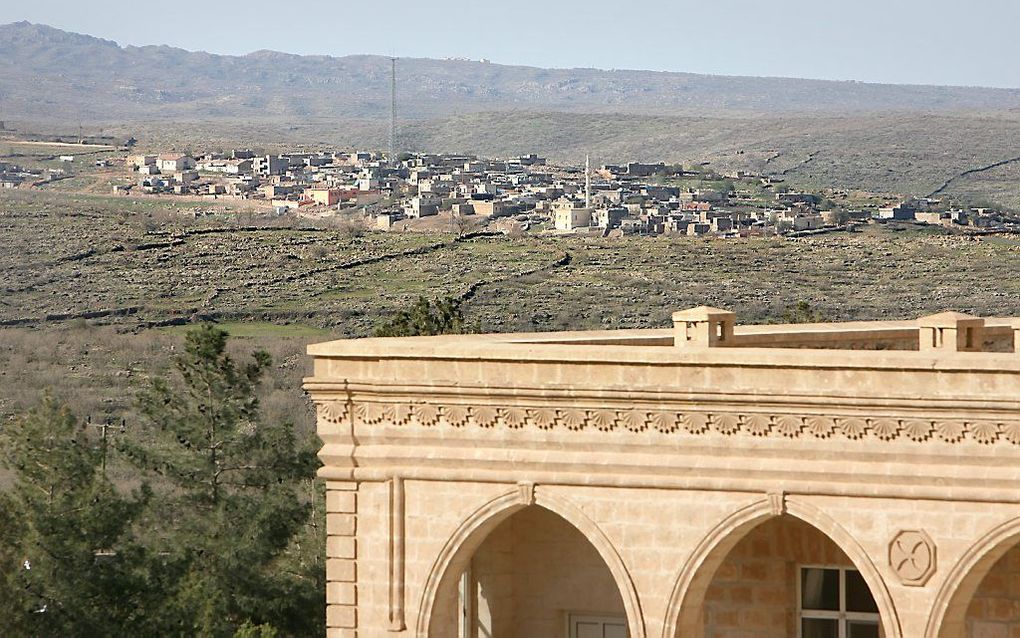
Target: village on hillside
423 191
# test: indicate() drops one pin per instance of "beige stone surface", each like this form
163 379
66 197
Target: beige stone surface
698 475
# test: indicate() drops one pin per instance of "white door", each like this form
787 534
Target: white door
597 627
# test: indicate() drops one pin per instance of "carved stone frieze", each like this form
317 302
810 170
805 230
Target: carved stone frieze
674 421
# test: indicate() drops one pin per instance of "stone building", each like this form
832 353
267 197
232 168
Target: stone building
710 480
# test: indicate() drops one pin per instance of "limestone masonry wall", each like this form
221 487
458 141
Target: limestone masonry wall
677 479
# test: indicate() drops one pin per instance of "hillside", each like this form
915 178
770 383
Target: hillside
53 74
901 139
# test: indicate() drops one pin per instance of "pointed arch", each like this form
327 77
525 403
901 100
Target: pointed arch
461 546
688 595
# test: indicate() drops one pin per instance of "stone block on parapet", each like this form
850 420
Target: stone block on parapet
951 332
1014 324
703 327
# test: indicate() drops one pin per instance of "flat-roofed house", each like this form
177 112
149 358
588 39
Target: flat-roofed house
174 163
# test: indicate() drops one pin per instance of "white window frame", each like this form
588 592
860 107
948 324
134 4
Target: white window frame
842 617
466 599
603 619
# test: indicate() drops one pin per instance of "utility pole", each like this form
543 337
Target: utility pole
104 428
393 111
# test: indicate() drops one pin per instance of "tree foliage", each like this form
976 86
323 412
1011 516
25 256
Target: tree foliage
231 513
426 317
70 564
841 217
802 312
221 545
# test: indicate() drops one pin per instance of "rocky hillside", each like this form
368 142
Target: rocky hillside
56 75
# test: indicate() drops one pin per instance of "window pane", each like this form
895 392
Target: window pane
615 631
819 589
861 629
819 628
858 596
588 630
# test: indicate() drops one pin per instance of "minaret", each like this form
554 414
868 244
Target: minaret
587 182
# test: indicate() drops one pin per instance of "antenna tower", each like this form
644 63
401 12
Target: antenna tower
393 111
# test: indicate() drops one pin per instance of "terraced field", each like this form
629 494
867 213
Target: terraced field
96 292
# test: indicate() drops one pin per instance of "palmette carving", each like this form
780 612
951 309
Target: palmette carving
756 424
885 429
543 418
484 416
604 420
665 422
633 420
985 432
951 431
852 428
455 415
672 422
917 429
333 412
789 426
725 423
821 427
573 419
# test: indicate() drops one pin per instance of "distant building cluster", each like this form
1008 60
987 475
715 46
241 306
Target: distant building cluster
525 193
13 176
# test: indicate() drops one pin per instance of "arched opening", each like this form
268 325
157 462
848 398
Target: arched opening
994 609
787 578
768 574
525 570
981 595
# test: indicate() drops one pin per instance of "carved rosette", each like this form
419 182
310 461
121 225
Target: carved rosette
912 557
671 422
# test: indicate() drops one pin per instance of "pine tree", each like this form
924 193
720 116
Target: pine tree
230 511
69 562
425 317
